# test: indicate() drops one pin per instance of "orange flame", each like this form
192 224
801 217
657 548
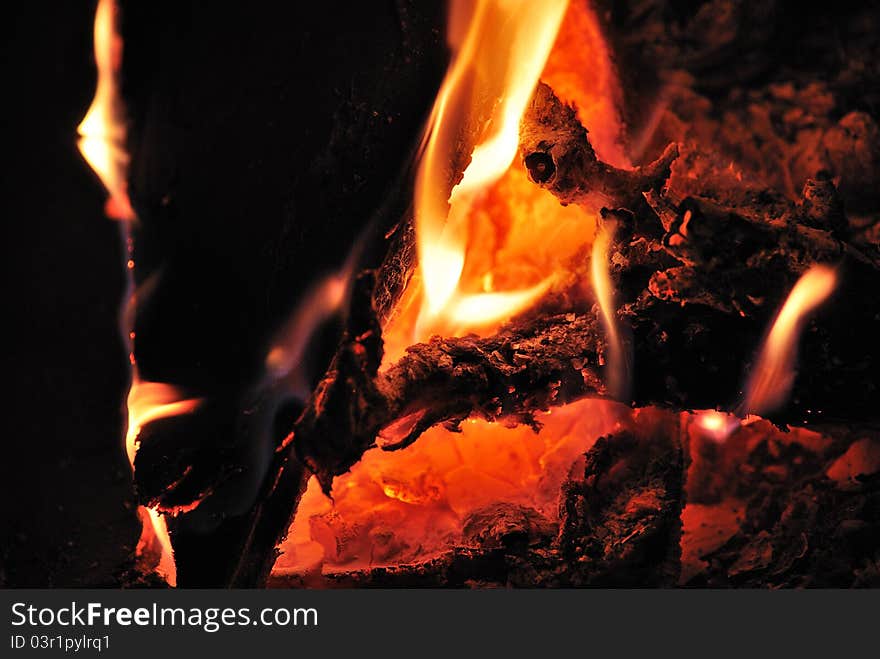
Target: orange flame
102 131
500 57
773 377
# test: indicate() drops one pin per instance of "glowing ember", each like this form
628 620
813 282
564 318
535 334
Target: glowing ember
717 426
773 376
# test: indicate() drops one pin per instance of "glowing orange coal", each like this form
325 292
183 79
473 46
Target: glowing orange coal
773 376
488 248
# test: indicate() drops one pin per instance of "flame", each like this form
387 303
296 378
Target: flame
581 72
284 360
487 250
773 376
618 371
103 131
501 56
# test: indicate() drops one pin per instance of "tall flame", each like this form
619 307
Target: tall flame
500 57
773 377
102 144
617 368
487 250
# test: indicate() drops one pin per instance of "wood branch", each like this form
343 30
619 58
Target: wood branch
559 157
699 283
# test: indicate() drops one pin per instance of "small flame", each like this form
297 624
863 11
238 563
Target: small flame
102 131
149 401
617 368
773 377
500 56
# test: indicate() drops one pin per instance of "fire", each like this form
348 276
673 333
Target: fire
493 246
774 373
411 508
617 368
149 401
284 360
718 426
489 249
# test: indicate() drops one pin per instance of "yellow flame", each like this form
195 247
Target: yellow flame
102 131
497 61
601 278
774 373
